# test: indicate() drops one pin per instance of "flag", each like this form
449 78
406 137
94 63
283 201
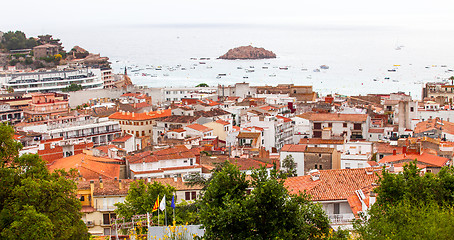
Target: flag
156 205
162 206
173 202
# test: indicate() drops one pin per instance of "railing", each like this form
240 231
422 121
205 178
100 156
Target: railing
341 218
92 133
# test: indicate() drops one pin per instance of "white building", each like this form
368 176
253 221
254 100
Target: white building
356 155
297 153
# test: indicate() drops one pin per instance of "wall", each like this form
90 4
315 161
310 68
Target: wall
81 97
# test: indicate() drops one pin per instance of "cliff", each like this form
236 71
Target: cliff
248 52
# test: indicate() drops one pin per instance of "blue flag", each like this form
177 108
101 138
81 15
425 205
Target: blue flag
173 202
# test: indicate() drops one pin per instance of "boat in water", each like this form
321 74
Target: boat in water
272 75
391 70
283 68
316 70
324 67
222 74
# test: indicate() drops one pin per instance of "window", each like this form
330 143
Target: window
106 219
330 124
347 165
336 208
191 162
412 109
317 126
316 166
82 198
107 231
344 125
190 195
357 126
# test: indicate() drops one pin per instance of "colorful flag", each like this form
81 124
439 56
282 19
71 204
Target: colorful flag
173 202
162 206
156 205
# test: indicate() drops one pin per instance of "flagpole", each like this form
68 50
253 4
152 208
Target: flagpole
158 211
165 212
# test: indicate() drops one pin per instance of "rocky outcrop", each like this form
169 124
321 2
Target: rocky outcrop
248 52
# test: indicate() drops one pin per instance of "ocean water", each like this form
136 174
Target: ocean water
358 57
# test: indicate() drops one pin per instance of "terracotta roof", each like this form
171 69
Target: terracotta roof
212 113
248 135
123 138
387 148
89 167
179 130
248 163
106 148
199 127
177 152
320 141
140 105
163 169
222 122
141 116
372 163
332 185
268 108
312 116
179 119
444 126
285 119
319 150
376 130
293 148
426 158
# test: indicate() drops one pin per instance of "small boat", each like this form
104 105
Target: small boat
395 80
250 70
144 74
360 69
158 68
218 77
303 69
193 58
391 70
283 68
387 78
272 75
183 69
267 63
375 80
202 63
324 67
316 70
264 67
203 58
222 74
251 66
153 75
443 66
245 77
396 65
165 74
209 67
239 68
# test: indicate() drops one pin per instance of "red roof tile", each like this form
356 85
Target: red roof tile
199 127
123 138
141 116
423 158
293 148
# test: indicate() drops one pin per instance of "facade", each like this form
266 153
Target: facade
320 158
53 81
45 106
220 128
297 153
197 130
46 50
277 130
107 78
356 155
10 115
138 124
301 93
338 125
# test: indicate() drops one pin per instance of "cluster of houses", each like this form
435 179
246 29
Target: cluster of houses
339 144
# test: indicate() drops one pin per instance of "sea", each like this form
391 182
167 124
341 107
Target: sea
360 59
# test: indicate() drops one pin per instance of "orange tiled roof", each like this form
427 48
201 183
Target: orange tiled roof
387 148
179 130
285 119
141 116
312 116
222 122
426 158
89 167
436 123
248 163
332 185
293 148
177 152
122 139
199 127
376 130
320 141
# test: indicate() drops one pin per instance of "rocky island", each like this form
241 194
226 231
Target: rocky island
248 52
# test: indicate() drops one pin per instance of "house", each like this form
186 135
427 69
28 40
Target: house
178 133
297 153
168 123
52 149
435 128
356 154
337 125
321 158
197 130
432 163
46 50
332 189
139 124
109 151
46 106
176 161
128 142
221 128
248 143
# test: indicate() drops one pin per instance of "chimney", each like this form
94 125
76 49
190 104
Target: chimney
175 179
120 185
132 114
372 199
101 184
394 151
92 186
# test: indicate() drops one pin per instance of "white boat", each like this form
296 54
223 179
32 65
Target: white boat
272 75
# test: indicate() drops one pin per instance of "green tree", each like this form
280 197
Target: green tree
411 206
17 40
72 88
141 199
35 204
202 85
268 212
289 166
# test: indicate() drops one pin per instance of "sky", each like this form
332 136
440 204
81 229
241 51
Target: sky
31 15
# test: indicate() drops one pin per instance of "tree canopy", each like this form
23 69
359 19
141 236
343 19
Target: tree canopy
202 85
34 203
72 88
289 166
228 211
17 40
411 206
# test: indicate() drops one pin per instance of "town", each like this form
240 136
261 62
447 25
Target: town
80 115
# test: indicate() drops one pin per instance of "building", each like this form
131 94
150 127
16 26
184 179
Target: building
221 128
46 50
435 128
356 155
45 106
430 162
321 158
277 130
52 81
338 125
297 153
332 189
107 78
301 93
10 115
138 124
197 130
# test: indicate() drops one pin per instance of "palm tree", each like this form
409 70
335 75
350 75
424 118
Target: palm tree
452 80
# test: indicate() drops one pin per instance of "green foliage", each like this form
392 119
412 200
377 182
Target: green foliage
269 212
411 206
289 166
35 204
72 88
202 85
17 40
141 199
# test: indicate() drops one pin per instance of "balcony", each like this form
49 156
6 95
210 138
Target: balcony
341 218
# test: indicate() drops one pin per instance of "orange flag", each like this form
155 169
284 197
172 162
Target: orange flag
156 205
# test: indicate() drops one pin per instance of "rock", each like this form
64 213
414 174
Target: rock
248 52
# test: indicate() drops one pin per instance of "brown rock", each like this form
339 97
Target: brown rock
248 52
